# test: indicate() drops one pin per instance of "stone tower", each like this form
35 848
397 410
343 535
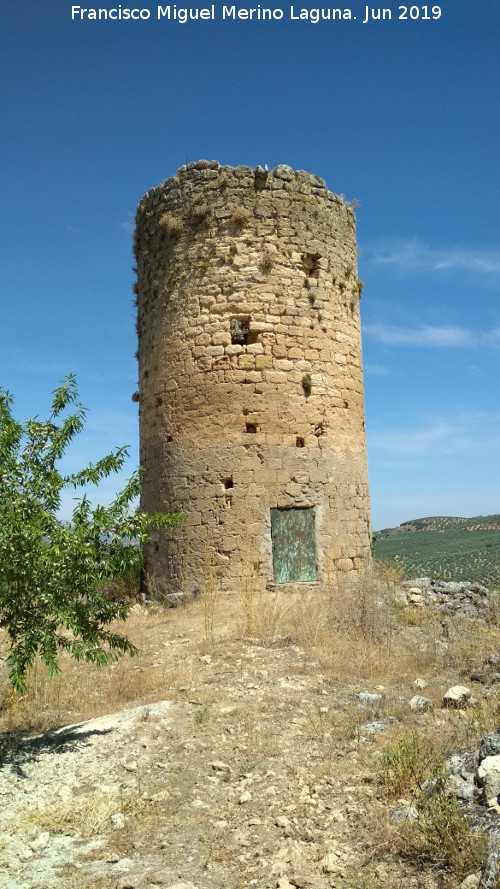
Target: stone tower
250 379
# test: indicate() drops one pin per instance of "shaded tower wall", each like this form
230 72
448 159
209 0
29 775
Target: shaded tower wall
250 378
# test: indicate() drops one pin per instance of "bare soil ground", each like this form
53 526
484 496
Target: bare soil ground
260 769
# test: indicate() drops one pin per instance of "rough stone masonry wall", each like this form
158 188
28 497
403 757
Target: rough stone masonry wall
250 377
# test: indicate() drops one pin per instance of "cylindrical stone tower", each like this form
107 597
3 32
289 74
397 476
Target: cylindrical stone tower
250 379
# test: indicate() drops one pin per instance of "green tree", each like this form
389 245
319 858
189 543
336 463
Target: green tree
52 573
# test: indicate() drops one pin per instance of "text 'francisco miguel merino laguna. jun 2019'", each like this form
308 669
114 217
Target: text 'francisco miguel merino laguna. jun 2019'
182 15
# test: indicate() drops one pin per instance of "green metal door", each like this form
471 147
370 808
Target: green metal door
293 535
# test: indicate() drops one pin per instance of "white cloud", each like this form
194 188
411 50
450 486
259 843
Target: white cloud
492 338
372 368
414 255
436 437
434 336
426 335
467 433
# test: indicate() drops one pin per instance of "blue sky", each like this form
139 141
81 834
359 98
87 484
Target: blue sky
399 114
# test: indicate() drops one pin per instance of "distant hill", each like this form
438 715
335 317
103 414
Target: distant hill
448 547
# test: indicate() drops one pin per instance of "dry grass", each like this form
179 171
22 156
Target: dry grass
440 835
200 212
123 588
240 218
80 881
267 261
347 635
86 815
248 605
171 225
351 633
390 572
83 691
342 641
208 597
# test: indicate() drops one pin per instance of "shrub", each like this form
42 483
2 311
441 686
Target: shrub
267 261
441 835
307 384
240 218
171 225
52 572
407 764
200 212
390 571
447 838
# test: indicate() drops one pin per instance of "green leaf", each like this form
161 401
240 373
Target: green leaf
52 573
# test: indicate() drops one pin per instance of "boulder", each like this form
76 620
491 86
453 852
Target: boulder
420 704
416 598
488 776
283 171
408 812
369 698
471 882
457 697
478 677
492 660
490 746
463 790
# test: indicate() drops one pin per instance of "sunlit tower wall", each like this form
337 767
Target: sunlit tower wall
250 380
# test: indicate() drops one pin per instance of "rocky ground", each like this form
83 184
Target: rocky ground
258 765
